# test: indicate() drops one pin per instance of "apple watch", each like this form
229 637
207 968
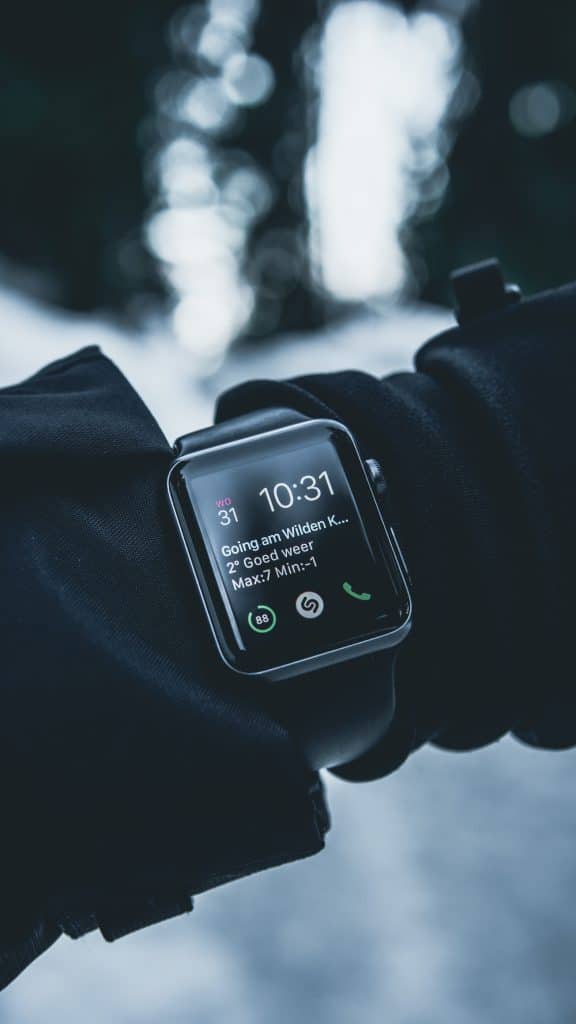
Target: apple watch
300 574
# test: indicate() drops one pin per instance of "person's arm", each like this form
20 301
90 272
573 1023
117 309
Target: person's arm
478 446
134 772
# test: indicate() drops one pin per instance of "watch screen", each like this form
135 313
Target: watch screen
288 546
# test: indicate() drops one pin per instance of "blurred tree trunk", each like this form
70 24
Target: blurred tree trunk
278 135
511 195
76 82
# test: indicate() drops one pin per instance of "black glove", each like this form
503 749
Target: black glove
135 772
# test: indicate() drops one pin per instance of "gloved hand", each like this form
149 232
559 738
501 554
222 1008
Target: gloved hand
134 771
478 448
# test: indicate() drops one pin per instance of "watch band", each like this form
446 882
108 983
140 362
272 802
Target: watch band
249 425
334 714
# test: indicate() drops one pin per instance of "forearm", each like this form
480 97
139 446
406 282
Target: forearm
477 447
145 773
135 772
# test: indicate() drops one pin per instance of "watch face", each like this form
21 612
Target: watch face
288 547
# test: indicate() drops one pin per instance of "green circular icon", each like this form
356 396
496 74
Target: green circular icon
262 619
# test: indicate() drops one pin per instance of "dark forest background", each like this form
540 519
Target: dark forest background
77 126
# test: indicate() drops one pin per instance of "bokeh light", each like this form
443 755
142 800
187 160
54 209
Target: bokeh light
542 108
208 201
248 79
384 82
378 84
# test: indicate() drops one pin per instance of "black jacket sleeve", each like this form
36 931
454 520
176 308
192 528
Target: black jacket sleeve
134 773
479 447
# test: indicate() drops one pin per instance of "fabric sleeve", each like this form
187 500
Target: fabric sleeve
478 448
135 771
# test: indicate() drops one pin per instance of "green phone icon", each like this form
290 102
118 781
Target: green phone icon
347 588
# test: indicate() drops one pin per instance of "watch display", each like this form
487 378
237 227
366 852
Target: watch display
289 548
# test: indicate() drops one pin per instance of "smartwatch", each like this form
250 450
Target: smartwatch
284 526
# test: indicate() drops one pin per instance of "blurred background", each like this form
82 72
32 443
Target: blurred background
228 189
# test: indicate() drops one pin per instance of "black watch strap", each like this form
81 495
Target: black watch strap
252 423
334 714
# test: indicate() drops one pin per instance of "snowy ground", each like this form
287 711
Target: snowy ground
446 893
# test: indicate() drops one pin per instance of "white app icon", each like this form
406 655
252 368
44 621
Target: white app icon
309 604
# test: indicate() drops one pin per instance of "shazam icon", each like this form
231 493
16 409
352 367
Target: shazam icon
309 604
